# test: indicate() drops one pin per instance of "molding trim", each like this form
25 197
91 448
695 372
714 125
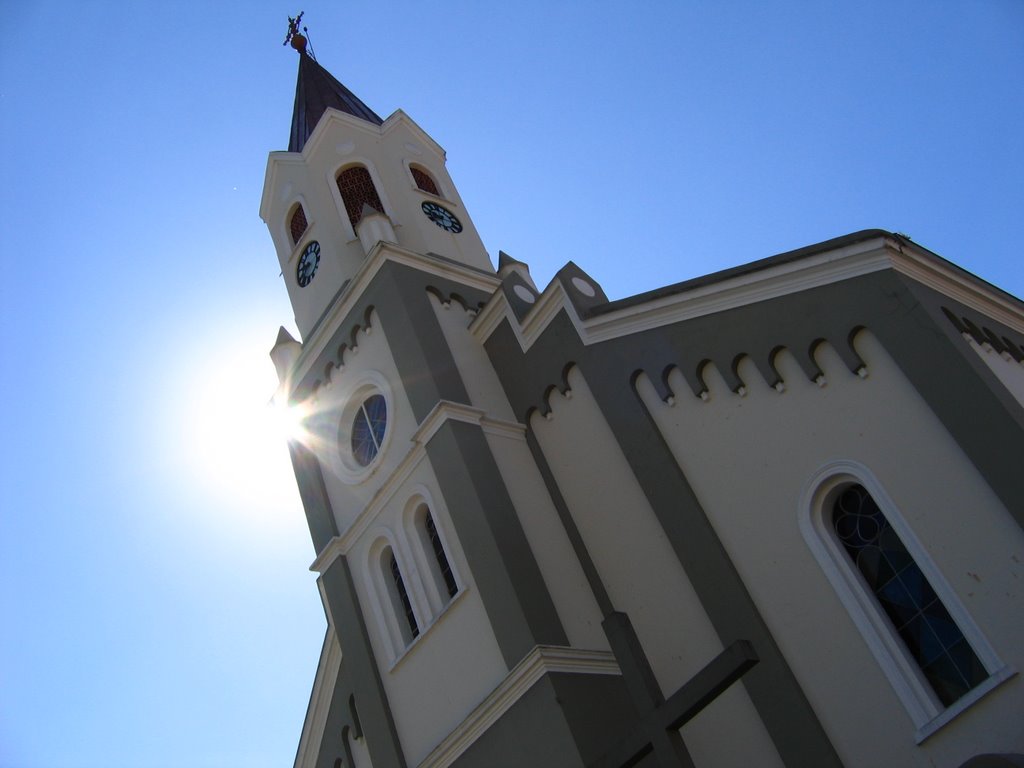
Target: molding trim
973 293
319 701
542 660
444 411
773 281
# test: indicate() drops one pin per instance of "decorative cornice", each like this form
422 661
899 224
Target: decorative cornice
382 254
444 411
969 290
743 290
786 276
542 660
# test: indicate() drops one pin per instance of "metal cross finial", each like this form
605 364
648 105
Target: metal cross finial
298 40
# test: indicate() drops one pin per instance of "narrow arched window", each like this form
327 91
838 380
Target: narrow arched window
356 187
919 617
400 597
424 180
440 558
297 225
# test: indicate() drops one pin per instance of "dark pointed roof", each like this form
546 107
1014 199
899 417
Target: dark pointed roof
315 91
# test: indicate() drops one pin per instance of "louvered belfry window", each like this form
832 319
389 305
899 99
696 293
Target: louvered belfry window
357 188
423 181
298 223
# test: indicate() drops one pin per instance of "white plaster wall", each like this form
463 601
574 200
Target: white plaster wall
643 575
455 661
749 459
373 354
563 576
298 182
309 177
558 564
481 380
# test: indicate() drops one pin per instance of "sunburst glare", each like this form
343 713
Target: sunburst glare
238 435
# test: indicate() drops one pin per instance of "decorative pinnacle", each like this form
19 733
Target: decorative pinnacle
298 40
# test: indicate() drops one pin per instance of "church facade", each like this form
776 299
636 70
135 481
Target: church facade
772 516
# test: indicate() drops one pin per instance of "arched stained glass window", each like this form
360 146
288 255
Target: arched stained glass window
298 224
356 187
424 181
917 614
444 567
368 428
403 596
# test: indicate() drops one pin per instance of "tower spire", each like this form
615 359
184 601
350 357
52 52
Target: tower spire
316 89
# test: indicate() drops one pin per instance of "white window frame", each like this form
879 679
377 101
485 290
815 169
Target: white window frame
367 383
436 590
902 670
391 617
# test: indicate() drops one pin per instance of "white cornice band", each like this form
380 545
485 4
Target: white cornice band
843 263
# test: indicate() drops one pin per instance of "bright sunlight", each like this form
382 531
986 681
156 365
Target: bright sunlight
238 436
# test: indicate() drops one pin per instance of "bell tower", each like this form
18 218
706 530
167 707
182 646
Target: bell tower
417 481
350 180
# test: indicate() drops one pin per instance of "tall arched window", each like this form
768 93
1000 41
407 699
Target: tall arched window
356 187
444 568
424 180
935 657
431 555
399 596
297 225
920 619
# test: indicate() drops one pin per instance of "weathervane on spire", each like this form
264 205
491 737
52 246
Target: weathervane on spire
298 40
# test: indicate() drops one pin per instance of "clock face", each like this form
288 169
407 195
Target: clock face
441 216
308 262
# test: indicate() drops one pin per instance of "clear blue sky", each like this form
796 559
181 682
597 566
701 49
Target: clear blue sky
156 604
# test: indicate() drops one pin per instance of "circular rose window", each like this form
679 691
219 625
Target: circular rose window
368 427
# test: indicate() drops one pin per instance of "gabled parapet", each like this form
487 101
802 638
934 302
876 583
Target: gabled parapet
834 261
585 293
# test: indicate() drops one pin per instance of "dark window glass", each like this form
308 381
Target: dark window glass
403 596
356 188
440 556
298 224
424 182
916 612
368 428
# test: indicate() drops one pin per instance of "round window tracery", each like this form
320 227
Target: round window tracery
368 427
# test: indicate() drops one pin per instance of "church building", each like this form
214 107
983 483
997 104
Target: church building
772 516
